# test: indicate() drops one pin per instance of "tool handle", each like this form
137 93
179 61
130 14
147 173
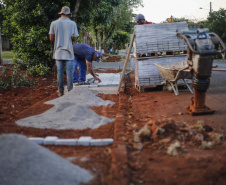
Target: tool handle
200 36
180 68
181 36
221 42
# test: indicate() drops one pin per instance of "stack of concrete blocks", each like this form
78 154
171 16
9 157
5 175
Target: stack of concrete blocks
147 74
159 37
132 64
151 38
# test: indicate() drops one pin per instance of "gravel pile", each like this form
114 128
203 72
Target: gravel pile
71 111
22 162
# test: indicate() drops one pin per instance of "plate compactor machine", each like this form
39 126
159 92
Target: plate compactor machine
202 48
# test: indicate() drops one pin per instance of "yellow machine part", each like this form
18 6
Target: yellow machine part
170 19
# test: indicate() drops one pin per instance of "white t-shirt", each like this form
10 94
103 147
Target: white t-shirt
63 29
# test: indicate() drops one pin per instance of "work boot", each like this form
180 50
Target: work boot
60 94
81 83
84 83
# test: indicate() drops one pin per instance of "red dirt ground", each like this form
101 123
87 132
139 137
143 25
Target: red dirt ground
112 58
126 162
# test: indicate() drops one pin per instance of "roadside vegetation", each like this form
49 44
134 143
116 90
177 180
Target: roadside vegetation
27 26
8 55
14 78
107 22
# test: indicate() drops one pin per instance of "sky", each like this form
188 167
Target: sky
158 11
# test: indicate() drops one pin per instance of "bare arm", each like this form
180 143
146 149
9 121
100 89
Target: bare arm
90 69
51 37
73 38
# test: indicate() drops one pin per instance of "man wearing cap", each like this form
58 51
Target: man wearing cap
63 32
140 19
84 55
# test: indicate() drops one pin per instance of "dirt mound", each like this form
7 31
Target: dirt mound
164 134
112 58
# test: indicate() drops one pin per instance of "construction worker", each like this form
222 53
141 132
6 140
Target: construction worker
84 55
140 19
63 32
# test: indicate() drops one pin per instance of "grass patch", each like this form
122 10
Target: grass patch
7 55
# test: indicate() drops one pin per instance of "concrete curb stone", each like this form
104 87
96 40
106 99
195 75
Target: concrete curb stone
38 140
101 142
50 140
82 141
67 142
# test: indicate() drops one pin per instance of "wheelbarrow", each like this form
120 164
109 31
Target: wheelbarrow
175 71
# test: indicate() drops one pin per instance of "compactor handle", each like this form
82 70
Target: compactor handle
221 42
200 36
181 36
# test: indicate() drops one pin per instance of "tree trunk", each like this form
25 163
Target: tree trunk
223 55
101 39
75 12
108 35
1 60
97 42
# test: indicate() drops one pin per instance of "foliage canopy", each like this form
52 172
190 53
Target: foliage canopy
26 23
216 22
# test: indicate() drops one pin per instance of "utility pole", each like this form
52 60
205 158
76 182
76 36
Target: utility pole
1 60
210 7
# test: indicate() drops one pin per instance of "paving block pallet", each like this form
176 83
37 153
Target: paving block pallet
160 44
144 88
146 73
159 37
161 54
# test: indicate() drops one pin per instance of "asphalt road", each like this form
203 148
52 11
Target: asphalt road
218 79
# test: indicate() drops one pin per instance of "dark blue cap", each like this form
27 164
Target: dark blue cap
99 56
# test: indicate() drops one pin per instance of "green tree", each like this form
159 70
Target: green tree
101 16
1 18
85 11
27 24
216 22
119 19
118 40
92 14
